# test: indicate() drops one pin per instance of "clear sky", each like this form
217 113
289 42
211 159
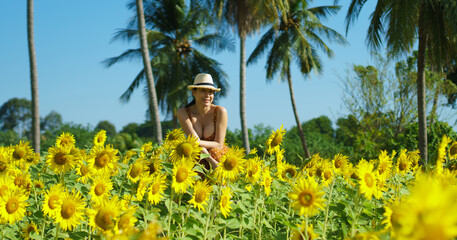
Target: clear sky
72 38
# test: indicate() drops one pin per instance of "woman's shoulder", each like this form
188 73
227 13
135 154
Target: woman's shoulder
220 109
182 112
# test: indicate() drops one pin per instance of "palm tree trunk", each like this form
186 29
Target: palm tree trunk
294 107
33 80
421 89
154 107
433 113
244 128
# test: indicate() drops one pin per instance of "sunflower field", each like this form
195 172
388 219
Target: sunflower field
164 192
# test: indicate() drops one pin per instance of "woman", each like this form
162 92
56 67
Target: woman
204 120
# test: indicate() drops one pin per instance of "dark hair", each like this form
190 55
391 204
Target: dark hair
191 103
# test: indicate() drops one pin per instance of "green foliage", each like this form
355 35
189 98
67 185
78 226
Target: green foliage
8 137
16 114
124 141
51 122
83 135
107 126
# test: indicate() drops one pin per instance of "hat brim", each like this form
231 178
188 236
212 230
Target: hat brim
190 87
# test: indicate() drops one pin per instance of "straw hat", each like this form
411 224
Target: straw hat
203 80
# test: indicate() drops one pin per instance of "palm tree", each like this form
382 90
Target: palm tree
296 38
33 79
401 24
153 106
177 31
245 17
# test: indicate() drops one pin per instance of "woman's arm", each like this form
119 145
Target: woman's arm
186 124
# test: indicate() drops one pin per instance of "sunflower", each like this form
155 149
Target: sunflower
187 149
146 149
183 176
126 221
128 155
103 160
176 135
267 180
403 162
137 169
61 159
368 181
152 231
339 163
304 231
52 199
6 183
12 205
20 152
84 172
100 138
156 189
142 186
307 197
286 172
38 185
253 169
65 140
384 165
100 188
224 204
232 164
21 179
327 173
202 191
5 166
105 214
274 141
70 211
154 166
442 153
29 228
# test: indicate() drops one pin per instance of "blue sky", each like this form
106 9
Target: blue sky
72 38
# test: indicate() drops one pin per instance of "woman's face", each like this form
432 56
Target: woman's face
203 96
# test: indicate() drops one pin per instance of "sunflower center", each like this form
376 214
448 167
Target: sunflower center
327 174
230 163
181 175
338 163
382 168
290 172
136 170
2 166
184 149
100 139
155 188
104 219
64 142
19 153
152 168
402 166
306 198
3 190
31 229
52 202
369 180
453 150
99 189
267 184
319 172
12 205
84 170
200 196
60 158
276 141
68 209
124 222
101 160
354 175
18 181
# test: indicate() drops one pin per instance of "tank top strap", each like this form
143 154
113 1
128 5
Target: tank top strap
215 117
188 112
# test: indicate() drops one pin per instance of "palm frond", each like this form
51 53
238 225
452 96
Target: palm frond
125 56
353 12
264 42
125 97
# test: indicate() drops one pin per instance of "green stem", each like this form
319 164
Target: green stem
205 235
57 231
357 213
329 200
169 214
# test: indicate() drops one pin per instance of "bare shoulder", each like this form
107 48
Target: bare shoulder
221 109
182 113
